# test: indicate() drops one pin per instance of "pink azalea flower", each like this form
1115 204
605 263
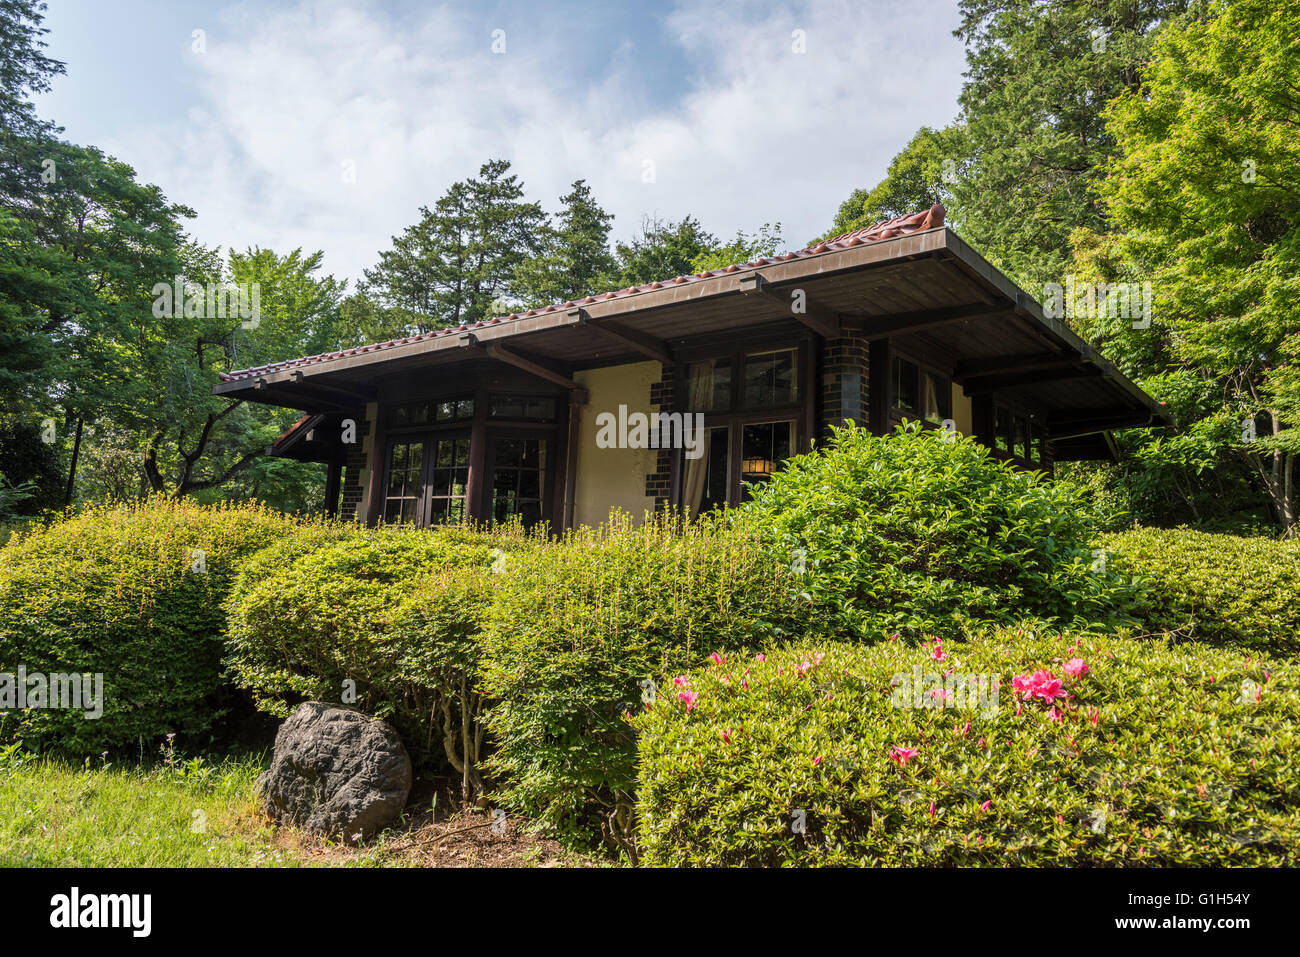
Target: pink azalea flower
717 659
1093 717
726 736
1056 714
902 755
931 809
760 657
980 745
985 806
1075 668
817 658
803 668
937 652
690 697
679 681
817 760
966 730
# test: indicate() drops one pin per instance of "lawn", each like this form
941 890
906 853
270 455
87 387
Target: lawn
193 813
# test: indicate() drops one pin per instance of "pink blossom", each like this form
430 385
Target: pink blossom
931 809
803 668
1041 684
726 736
760 657
1093 717
817 760
679 681
985 806
1075 668
937 652
690 697
902 755
717 659
966 730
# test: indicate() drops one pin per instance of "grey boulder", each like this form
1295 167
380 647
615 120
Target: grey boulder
336 772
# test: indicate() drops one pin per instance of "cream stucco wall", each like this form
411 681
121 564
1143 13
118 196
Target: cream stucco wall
609 478
961 411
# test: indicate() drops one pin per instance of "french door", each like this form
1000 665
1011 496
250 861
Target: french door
427 479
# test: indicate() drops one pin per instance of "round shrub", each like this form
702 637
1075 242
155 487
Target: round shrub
132 593
385 618
1220 589
585 630
842 754
924 531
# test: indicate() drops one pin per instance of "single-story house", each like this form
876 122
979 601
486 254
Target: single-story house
674 393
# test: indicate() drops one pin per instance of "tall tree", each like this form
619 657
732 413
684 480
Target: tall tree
575 253
1039 74
1205 196
458 263
660 250
921 175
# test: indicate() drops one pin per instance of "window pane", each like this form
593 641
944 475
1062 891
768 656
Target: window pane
770 379
938 399
763 448
1002 426
716 476
905 385
1021 436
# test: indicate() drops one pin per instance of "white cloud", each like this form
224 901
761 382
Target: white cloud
763 134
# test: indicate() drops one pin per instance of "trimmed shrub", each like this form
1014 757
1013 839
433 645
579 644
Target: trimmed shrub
386 619
924 531
586 629
829 754
133 593
1220 589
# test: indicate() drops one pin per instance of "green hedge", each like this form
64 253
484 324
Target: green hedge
586 629
1221 589
925 532
132 593
1192 759
386 619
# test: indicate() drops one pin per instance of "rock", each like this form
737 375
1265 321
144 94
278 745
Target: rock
336 772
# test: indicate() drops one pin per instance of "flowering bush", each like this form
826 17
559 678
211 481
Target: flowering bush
1086 750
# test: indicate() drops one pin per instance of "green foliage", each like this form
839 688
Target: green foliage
121 591
1230 590
743 249
1203 195
584 630
1039 74
924 530
1191 761
575 254
660 250
389 613
921 175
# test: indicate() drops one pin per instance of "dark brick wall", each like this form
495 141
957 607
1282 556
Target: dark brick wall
845 381
659 483
353 472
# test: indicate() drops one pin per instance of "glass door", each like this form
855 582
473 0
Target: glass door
427 477
521 467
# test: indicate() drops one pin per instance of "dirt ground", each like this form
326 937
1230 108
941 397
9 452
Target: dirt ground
451 837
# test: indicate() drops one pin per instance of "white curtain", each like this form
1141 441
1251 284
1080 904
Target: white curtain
700 389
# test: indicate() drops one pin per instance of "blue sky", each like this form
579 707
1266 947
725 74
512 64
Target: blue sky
327 124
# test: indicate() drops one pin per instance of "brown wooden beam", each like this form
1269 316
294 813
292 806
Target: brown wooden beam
999 365
535 367
815 316
636 341
879 327
993 383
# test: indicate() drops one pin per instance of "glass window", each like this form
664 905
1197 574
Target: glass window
1040 447
771 380
413 413
522 408
448 479
1002 429
905 384
402 502
763 447
453 410
518 480
937 398
716 473
1020 438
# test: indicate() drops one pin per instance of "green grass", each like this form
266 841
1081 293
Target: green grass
183 814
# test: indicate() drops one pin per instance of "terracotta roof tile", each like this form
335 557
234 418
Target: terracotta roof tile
886 229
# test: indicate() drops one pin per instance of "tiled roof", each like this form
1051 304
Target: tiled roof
886 229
